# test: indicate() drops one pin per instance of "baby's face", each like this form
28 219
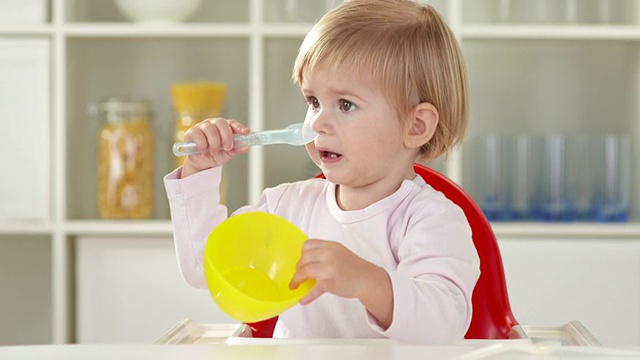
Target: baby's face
361 138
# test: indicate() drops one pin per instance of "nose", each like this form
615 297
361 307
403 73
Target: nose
319 121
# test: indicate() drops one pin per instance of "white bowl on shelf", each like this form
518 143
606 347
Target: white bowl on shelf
158 11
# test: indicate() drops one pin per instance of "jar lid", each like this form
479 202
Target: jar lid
122 109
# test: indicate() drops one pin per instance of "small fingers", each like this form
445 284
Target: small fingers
315 293
299 277
238 127
220 136
196 135
226 131
215 134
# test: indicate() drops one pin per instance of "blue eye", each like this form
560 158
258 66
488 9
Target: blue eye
347 106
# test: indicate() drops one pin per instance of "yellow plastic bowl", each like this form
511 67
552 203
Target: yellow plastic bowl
249 260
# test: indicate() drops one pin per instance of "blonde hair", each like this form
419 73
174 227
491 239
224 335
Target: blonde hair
409 51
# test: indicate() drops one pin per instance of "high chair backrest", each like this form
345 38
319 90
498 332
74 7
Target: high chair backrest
492 317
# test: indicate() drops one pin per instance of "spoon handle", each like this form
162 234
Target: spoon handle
186 148
261 138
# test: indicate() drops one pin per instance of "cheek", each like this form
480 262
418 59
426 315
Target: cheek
313 153
386 138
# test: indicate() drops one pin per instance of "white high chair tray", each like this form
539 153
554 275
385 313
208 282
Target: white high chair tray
190 332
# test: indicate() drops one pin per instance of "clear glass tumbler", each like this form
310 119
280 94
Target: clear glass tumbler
524 179
492 176
556 195
612 156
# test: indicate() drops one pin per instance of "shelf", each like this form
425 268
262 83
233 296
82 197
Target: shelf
567 230
551 32
89 30
284 30
26 228
26 30
581 230
90 227
145 228
164 228
123 227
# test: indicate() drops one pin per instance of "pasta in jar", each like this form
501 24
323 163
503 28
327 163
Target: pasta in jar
194 102
125 161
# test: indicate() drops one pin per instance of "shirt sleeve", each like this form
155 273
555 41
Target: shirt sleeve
432 286
195 211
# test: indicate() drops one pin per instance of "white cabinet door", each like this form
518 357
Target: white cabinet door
594 281
24 108
129 290
23 12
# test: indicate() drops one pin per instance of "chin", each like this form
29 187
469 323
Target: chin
332 177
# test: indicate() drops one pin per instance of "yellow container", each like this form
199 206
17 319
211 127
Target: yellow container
125 160
194 102
249 261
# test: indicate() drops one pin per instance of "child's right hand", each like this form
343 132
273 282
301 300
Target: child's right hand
214 138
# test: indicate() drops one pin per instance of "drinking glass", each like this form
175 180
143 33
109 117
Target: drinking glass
492 176
555 185
612 158
523 179
581 168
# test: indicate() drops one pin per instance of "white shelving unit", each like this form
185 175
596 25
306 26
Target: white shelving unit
96 53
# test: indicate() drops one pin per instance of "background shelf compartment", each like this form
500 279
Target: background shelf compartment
106 11
551 87
25 268
146 70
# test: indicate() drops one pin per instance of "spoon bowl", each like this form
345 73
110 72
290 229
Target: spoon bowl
301 134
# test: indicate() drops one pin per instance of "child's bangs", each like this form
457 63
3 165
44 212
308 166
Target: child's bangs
372 58
357 53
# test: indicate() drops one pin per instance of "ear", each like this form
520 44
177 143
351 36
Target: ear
424 120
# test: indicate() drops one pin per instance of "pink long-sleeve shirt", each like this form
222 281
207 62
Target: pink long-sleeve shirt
416 234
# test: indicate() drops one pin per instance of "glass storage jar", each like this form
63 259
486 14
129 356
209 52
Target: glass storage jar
194 102
125 159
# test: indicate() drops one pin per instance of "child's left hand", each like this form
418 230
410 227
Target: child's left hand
339 271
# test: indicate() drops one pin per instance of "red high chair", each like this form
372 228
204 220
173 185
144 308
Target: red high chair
492 317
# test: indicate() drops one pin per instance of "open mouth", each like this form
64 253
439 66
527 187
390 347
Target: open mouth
328 155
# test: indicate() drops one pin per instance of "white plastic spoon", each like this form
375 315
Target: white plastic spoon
294 134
